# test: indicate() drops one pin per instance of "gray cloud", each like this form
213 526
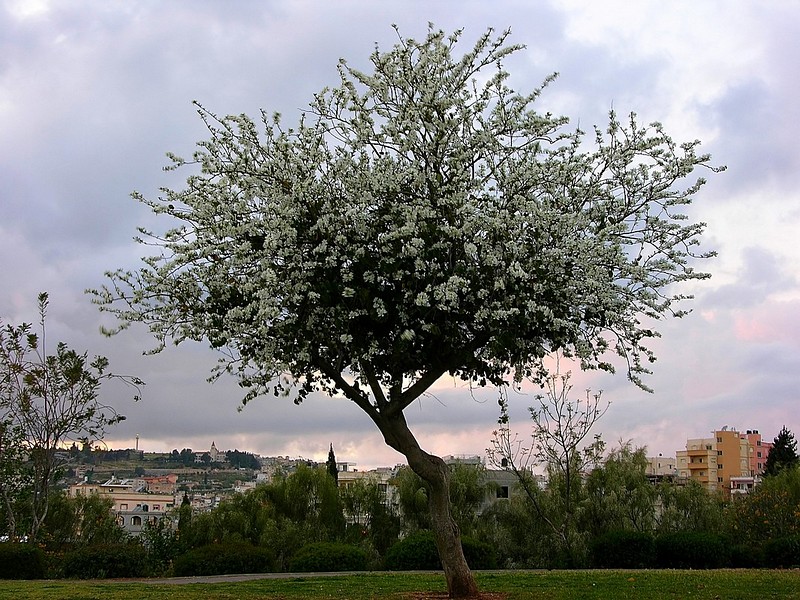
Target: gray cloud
92 95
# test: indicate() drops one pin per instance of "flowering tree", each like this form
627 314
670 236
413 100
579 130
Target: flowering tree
420 220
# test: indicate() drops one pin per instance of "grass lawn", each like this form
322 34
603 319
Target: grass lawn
712 585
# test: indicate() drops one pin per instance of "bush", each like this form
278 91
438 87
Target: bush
624 550
691 550
745 556
221 559
329 556
783 552
417 552
479 555
106 561
21 561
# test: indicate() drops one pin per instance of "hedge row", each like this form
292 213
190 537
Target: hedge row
615 550
417 552
689 550
21 561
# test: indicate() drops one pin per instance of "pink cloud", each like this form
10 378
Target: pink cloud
769 322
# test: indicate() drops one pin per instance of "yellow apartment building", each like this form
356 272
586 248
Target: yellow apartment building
717 463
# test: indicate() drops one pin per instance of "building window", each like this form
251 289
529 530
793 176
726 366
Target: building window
758 443
719 452
502 491
758 454
136 521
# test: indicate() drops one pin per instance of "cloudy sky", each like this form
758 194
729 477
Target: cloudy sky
94 93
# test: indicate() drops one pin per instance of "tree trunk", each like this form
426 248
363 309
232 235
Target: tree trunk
433 470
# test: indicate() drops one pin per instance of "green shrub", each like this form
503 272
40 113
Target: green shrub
783 552
328 556
624 550
105 561
221 559
691 550
417 552
479 555
745 556
21 561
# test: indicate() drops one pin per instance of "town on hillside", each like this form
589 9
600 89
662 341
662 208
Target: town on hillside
146 487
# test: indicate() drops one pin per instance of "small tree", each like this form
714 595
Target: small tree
688 508
46 401
561 425
420 220
80 521
770 511
783 454
619 494
330 465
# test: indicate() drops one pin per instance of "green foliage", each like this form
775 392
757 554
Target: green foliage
414 552
561 426
618 494
468 490
783 552
331 466
21 561
770 511
364 503
418 552
162 544
80 521
105 561
243 460
479 554
624 549
46 399
329 556
688 507
412 496
285 514
783 454
691 550
225 558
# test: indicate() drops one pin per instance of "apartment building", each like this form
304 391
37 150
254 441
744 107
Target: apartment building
759 450
660 467
133 505
718 463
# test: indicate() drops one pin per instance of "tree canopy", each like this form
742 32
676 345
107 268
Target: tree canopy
417 222
420 219
783 454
